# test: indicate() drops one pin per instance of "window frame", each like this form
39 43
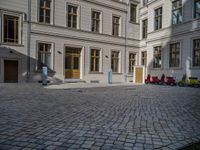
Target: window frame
51 13
100 20
93 57
193 53
159 56
78 15
179 57
118 61
181 10
51 68
133 19
119 25
143 59
130 64
194 12
159 17
20 27
144 29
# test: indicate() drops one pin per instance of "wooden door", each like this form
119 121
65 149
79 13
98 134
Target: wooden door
139 75
72 64
10 71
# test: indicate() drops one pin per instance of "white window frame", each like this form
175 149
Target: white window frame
20 27
78 15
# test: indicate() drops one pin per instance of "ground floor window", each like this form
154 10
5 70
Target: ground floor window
44 55
132 57
95 60
157 57
174 55
115 61
196 53
144 58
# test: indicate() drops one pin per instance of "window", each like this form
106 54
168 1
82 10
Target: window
45 11
72 16
144 58
144 28
44 55
11 29
131 62
96 21
145 2
174 55
196 53
158 18
157 57
115 61
177 12
115 23
133 13
196 8
95 60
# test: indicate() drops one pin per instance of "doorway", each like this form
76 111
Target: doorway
10 71
72 63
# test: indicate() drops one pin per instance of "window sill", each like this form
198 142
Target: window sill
116 73
95 73
132 22
195 67
12 44
175 68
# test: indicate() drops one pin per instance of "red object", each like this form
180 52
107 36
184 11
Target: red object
170 81
147 80
154 80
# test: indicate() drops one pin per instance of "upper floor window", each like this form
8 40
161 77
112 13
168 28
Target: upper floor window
44 55
144 28
132 57
145 2
157 57
115 61
144 58
196 8
196 53
45 11
95 60
72 16
115 24
133 13
96 21
177 12
174 60
158 18
11 31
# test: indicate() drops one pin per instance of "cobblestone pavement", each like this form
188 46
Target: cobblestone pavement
129 117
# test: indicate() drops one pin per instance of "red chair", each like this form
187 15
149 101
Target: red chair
170 81
147 80
155 80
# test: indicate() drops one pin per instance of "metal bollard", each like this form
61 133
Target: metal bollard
109 76
44 75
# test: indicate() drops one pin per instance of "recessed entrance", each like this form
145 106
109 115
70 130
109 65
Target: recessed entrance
10 71
72 63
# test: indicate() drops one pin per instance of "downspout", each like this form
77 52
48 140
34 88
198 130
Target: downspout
28 40
125 44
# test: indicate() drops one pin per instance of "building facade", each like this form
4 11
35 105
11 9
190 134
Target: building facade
85 39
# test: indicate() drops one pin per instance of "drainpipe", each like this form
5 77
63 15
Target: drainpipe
28 39
125 44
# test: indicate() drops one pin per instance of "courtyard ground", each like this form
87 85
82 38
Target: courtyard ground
121 117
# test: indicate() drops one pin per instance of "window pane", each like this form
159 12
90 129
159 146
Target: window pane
44 55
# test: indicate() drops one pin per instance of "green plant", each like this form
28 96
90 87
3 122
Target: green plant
184 78
193 82
181 83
